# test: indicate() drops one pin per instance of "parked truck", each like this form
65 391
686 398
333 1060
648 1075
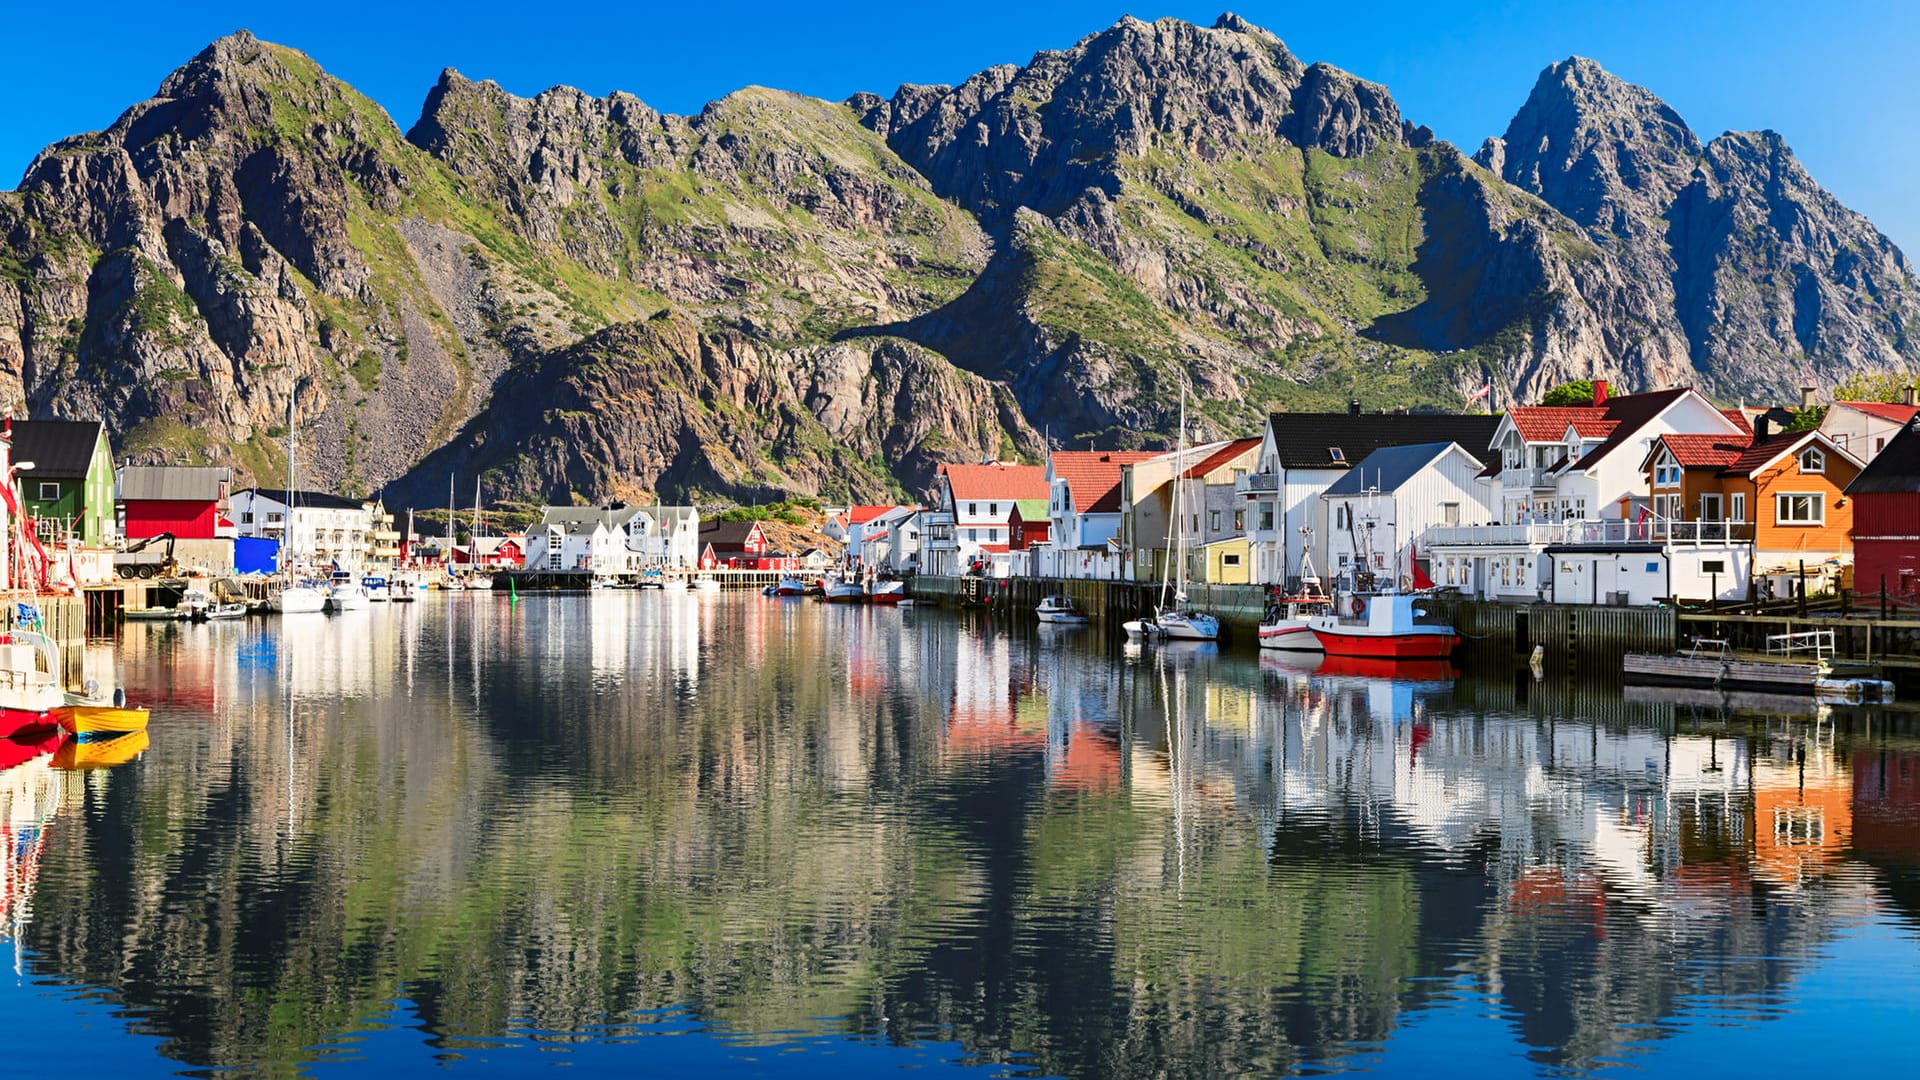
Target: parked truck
144 560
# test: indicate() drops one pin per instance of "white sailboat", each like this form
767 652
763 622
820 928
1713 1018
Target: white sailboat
291 595
1173 622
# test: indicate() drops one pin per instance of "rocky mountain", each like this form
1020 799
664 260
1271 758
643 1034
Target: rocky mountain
580 297
1744 267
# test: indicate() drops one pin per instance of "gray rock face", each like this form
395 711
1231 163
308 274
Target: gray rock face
582 296
1738 260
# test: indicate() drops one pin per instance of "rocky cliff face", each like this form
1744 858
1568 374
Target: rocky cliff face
1741 265
582 296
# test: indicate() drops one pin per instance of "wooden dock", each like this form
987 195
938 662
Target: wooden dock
520 581
1238 607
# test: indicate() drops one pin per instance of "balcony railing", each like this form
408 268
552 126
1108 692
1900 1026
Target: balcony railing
1577 533
1516 479
1254 484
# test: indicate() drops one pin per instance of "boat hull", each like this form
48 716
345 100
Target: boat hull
1413 645
1063 618
100 719
1290 634
17 722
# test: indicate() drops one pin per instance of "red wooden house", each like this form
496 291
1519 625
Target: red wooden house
739 545
1886 520
189 502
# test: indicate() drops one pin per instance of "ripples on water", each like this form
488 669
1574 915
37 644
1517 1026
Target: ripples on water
729 834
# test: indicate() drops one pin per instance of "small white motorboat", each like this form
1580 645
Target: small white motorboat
400 591
1060 611
375 587
195 603
296 598
703 583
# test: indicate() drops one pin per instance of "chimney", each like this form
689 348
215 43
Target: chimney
1762 428
1599 392
1353 407
1806 397
1908 396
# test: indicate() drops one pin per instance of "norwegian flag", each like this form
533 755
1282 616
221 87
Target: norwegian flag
1482 392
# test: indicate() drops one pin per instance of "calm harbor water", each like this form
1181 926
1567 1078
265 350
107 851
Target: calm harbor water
667 833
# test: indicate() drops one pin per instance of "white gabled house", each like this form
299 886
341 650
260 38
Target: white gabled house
969 528
1378 512
675 539
1303 454
594 539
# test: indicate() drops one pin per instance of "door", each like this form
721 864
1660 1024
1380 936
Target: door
1710 507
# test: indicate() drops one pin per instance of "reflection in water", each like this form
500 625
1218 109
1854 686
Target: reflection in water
580 820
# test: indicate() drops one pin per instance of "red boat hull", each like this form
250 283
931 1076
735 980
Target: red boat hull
15 723
886 598
1389 646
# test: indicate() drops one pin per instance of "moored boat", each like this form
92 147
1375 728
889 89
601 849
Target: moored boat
886 592
296 598
29 683
400 591
705 583
375 587
152 614
194 603
1060 611
842 591
345 594
98 719
1385 625
790 586
1286 623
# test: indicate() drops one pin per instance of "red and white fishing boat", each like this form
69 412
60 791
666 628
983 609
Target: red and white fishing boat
30 693
1385 625
1285 624
886 592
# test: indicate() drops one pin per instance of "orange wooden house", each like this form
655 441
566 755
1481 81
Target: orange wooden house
1784 493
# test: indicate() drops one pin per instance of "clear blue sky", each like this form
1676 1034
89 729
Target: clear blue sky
1839 80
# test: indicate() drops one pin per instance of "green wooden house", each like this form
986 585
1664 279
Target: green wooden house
69 490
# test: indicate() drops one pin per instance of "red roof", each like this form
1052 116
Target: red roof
1738 416
997 481
1756 456
1704 451
1899 414
1093 476
1220 457
1549 423
860 515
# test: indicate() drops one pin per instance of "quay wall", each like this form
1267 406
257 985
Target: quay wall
1238 607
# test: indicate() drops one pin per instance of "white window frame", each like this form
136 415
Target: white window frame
1737 506
1813 461
1716 501
44 485
1816 500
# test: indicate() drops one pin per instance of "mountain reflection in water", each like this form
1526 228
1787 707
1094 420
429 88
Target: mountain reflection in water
832 839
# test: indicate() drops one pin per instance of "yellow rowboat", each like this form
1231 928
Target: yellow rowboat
78 753
99 719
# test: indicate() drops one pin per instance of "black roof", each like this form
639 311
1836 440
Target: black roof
1308 440
60 449
726 534
318 500
1895 470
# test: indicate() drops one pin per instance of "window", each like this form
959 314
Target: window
1213 521
49 490
993 509
1799 508
1266 516
1450 513
973 536
1334 453
1879 444
1812 460
1666 473
1229 560
973 509
246 518
1713 566
1239 521
1342 516
1737 506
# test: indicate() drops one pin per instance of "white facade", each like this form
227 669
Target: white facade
888 542
599 540
675 540
1864 432
970 525
1383 528
311 527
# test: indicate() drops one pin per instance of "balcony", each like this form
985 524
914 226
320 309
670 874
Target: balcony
1656 531
1254 485
1516 479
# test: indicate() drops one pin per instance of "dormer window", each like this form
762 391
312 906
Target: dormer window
1666 472
1334 453
1812 460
